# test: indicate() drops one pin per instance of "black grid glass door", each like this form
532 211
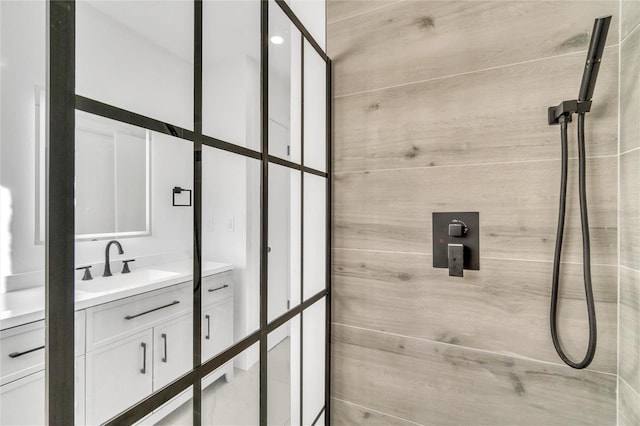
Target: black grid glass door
176 258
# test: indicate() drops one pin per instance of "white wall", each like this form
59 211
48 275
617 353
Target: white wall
137 56
23 67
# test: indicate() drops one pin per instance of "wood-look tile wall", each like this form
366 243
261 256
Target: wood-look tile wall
441 106
629 303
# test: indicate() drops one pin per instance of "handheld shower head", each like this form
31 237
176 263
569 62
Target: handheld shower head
594 55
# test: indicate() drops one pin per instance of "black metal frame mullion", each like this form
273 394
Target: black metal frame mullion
197 211
264 203
92 106
301 226
329 118
290 164
60 229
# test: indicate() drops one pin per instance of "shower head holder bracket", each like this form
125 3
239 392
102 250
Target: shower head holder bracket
567 109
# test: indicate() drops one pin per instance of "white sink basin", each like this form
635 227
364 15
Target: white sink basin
119 282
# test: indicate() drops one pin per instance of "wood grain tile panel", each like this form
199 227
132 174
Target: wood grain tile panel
346 414
434 383
418 40
629 403
487 309
630 17
630 327
630 92
518 205
630 209
484 117
342 9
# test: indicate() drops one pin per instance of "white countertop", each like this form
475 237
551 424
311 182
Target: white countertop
25 306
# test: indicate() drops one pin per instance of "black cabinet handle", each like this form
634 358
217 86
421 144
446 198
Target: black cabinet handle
164 336
208 318
17 354
143 370
211 290
128 317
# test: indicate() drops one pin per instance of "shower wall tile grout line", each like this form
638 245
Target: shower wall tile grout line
629 34
493 163
471 348
629 386
364 12
631 150
629 268
374 410
508 259
443 77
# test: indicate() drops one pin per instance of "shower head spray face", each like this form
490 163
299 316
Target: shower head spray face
594 55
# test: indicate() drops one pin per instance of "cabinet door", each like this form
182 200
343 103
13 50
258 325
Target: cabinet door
173 349
118 376
217 329
22 401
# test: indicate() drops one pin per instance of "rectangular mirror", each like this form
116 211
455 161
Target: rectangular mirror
112 186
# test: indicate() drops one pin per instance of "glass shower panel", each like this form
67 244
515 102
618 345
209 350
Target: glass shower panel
284 86
231 71
138 56
313 362
284 240
315 109
230 250
23 79
231 394
314 235
133 260
283 376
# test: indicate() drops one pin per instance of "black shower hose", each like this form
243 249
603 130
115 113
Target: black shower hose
586 250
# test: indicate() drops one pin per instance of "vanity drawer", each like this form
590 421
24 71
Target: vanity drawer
22 350
217 287
111 321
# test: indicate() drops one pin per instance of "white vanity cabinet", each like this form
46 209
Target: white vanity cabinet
22 379
135 346
125 350
217 322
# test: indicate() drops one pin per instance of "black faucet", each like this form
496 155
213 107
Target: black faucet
107 267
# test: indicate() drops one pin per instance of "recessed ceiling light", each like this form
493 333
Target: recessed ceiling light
277 40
